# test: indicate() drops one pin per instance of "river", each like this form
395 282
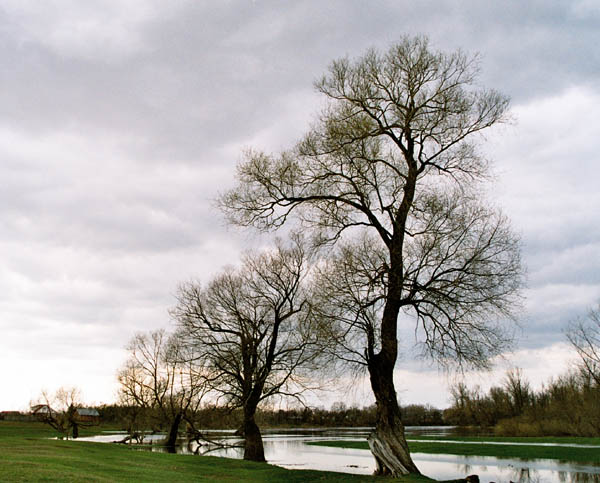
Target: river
288 448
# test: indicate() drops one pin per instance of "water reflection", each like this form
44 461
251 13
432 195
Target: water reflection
288 448
505 469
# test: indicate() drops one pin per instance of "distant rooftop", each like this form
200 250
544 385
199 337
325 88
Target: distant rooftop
87 412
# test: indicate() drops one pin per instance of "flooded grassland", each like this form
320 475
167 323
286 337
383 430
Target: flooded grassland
303 449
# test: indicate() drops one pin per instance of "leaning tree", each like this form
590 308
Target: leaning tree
387 177
60 410
253 330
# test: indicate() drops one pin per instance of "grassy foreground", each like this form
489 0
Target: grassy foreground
581 455
26 454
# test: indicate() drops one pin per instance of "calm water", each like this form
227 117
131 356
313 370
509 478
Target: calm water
288 448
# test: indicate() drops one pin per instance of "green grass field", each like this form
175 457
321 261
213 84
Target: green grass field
27 454
581 455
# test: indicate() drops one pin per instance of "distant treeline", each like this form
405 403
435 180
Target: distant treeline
566 406
216 417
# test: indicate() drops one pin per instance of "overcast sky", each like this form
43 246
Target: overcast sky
121 120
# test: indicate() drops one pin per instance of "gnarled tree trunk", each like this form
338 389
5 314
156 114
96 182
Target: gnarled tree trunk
387 441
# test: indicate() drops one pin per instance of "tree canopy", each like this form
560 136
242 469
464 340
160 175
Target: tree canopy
253 329
388 174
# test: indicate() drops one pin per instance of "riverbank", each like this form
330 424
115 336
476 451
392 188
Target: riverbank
526 448
28 454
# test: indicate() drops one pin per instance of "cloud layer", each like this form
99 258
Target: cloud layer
121 122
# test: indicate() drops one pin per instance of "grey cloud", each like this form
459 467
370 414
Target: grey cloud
205 75
120 125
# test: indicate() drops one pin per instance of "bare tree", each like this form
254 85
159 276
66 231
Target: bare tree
584 335
158 376
253 328
518 390
60 410
388 176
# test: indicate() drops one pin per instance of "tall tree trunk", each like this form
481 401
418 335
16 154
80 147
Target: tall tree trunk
174 431
387 441
253 443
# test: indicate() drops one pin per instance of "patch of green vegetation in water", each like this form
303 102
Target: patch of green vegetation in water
563 453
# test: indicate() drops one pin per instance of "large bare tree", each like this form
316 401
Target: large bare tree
252 327
159 377
388 175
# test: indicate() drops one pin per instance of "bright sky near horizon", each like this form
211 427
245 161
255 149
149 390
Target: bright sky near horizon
121 120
